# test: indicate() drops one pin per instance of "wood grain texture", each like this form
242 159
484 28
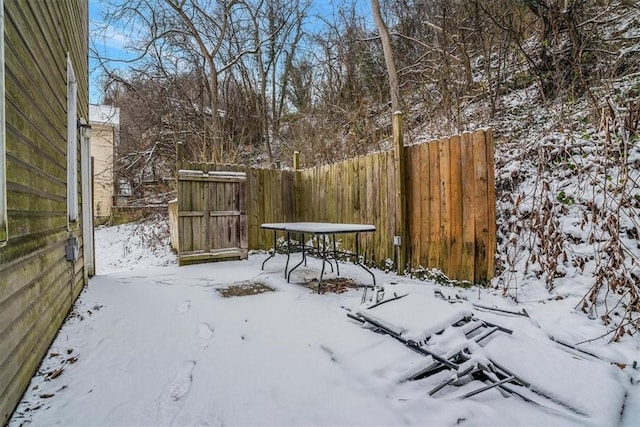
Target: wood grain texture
468 199
481 206
455 211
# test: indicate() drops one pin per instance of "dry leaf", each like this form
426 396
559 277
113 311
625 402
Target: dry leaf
55 374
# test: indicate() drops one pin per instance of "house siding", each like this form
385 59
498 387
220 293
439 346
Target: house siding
104 121
102 152
37 285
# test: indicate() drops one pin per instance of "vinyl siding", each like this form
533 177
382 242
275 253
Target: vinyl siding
37 285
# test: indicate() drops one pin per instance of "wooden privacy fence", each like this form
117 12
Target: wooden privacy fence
358 190
449 203
450 210
451 206
269 197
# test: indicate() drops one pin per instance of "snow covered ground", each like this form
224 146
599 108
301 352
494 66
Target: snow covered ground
150 343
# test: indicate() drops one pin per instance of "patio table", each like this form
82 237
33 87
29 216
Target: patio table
319 229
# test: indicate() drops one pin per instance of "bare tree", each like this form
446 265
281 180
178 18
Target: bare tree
388 56
209 40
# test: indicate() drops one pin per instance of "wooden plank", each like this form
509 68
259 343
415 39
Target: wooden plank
317 196
377 210
341 182
189 214
390 189
410 188
371 196
375 204
415 203
355 198
468 200
445 204
400 191
425 206
279 206
491 205
434 206
242 206
253 210
291 213
262 205
330 194
352 202
455 250
300 189
198 223
481 206
322 191
184 205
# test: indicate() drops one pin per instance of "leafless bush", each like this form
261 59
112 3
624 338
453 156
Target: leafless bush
576 216
617 283
151 232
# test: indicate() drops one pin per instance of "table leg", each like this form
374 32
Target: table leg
358 259
335 255
286 267
275 242
324 259
301 261
324 245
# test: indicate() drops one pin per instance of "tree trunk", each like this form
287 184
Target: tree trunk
394 86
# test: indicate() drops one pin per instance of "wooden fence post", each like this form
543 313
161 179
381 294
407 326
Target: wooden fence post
400 238
296 160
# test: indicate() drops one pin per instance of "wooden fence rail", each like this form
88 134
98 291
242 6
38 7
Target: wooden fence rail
449 220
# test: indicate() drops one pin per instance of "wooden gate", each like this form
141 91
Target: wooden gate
212 220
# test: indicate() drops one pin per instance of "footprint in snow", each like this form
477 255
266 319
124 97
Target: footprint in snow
205 331
181 382
169 403
184 306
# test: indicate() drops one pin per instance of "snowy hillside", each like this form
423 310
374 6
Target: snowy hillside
568 203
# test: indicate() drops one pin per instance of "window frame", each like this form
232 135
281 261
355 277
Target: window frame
72 144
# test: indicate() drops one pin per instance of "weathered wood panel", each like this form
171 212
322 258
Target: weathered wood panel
481 194
456 187
468 199
268 195
451 198
450 203
211 216
491 206
37 284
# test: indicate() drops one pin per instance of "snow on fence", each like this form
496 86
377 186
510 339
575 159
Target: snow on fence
449 191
